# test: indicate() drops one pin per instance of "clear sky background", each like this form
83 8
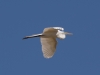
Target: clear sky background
76 55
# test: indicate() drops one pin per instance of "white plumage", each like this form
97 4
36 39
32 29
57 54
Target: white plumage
48 39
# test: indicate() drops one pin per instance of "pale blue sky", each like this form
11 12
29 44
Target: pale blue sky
76 55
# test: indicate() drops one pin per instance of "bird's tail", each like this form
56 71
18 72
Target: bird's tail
32 36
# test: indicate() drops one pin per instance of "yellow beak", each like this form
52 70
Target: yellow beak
67 33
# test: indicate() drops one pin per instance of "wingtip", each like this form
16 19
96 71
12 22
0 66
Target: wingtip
24 38
47 57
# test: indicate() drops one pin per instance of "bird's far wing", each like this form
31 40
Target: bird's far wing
48 46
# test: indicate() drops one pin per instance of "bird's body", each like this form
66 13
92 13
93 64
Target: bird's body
48 39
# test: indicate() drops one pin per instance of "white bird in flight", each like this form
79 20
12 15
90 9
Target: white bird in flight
48 39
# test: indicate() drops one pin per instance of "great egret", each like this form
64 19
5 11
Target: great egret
48 39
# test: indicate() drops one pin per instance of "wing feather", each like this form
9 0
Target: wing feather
48 46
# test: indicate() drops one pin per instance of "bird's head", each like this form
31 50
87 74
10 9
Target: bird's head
62 34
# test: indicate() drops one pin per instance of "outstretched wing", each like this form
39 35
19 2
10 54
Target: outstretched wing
48 46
